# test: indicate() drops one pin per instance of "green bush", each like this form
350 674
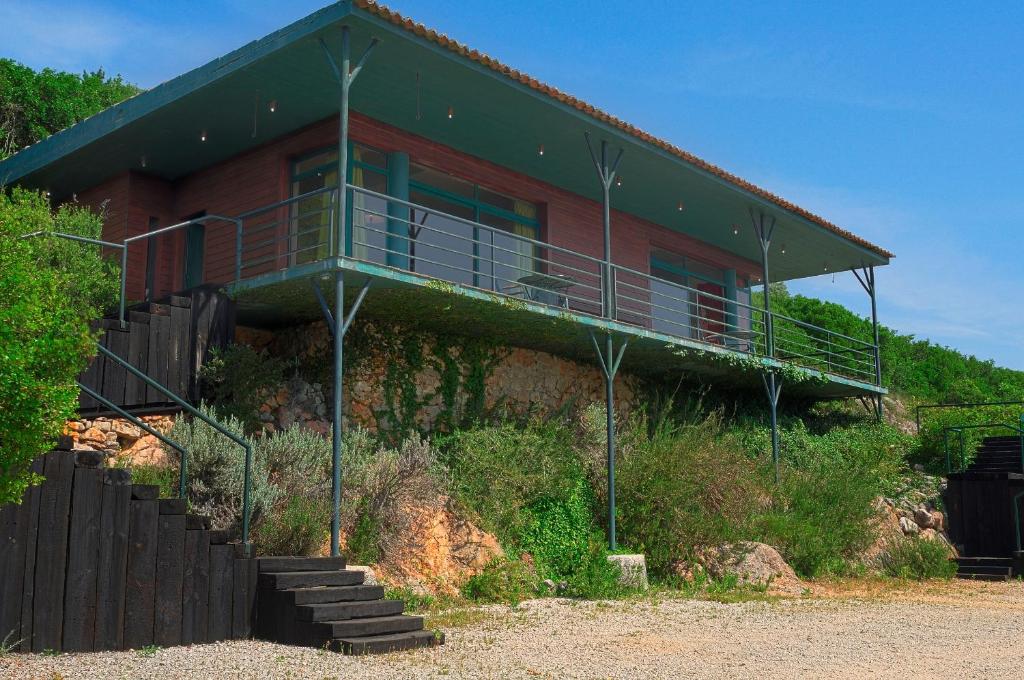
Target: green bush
594 577
237 378
163 476
216 471
682 487
919 558
52 289
296 526
498 472
502 580
557 531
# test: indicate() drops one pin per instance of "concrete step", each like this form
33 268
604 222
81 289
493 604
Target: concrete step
379 644
290 580
337 611
377 625
285 564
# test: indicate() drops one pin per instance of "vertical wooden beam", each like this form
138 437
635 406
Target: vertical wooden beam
141 573
52 551
113 559
83 560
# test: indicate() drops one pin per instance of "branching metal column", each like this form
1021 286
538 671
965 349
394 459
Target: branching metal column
344 75
606 174
764 227
610 361
866 277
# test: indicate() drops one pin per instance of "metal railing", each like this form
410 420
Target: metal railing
415 238
195 413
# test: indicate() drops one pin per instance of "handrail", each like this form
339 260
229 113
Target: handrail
246 446
123 247
918 409
182 468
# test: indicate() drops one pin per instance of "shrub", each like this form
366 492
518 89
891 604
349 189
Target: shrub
296 526
163 476
502 580
236 378
594 577
498 472
216 471
681 487
918 558
557 531
52 289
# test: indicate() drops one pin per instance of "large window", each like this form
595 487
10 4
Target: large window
696 311
313 217
454 250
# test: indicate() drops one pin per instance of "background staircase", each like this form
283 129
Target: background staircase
317 601
985 568
997 454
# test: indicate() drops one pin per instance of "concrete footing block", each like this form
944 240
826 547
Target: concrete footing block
632 570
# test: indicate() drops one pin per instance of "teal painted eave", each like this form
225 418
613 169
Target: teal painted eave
495 118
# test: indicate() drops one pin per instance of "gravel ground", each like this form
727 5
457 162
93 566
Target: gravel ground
844 630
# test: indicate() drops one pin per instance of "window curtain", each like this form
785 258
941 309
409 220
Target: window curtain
524 261
360 236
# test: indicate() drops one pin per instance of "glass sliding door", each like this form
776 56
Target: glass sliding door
687 297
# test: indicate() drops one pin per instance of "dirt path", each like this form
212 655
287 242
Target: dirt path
847 630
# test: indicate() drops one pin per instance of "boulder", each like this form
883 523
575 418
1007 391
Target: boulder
632 570
369 576
923 518
909 527
753 564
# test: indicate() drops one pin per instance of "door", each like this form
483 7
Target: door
195 254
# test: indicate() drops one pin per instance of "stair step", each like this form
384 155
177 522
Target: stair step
330 594
983 577
279 565
289 580
336 611
376 625
1000 561
984 569
395 642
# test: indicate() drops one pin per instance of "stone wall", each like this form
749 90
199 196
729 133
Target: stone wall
398 379
119 438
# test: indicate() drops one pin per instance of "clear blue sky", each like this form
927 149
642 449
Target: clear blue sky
901 121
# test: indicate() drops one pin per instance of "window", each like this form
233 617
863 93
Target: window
697 311
454 249
313 217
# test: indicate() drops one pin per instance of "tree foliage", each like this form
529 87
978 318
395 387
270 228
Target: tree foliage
51 291
36 104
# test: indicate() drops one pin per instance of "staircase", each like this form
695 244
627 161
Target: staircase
985 568
316 601
997 454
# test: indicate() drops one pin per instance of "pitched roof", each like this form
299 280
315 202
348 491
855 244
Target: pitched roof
444 41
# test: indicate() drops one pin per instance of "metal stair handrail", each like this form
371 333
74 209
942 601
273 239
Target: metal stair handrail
241 441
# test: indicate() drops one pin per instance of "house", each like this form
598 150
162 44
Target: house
476 199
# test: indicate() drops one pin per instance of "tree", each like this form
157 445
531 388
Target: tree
52 290
34 105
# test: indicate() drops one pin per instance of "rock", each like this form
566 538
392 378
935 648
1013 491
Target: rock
923 518
753 564
918 467
909 527
369 576
938 520
93 436
126 429
632 570
929 534
549 585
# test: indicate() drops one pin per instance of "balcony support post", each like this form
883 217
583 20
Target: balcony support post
344 75
764 227
606 175
866 278
773 388
338 324
609 362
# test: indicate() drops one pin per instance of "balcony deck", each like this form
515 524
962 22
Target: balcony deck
672 330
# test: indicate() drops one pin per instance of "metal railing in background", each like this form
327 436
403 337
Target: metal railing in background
921 407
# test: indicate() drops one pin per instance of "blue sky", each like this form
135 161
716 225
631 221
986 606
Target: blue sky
899 121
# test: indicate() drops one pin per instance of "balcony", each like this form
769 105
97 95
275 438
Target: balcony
448 273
